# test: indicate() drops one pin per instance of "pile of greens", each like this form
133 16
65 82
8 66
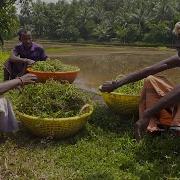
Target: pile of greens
53 66
131 88
51 100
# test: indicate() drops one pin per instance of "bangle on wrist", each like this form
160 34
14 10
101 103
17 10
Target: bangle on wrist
22 83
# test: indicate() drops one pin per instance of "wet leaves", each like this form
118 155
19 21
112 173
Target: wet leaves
53 66
51 99
131 88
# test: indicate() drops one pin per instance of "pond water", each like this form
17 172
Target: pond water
95 69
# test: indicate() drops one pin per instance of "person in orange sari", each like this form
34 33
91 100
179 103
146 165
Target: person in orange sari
160 99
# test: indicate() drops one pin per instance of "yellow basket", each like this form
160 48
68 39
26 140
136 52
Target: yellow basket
120 103
56 127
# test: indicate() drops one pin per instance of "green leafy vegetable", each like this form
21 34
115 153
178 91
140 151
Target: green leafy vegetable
53 66
131 88
51 99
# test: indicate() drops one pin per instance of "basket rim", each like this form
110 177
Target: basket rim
58 119
31 70
118 94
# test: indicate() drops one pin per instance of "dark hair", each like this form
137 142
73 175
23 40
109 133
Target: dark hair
23 31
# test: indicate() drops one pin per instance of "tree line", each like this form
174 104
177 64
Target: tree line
125 21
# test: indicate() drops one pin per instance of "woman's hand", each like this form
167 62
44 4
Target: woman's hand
28 79
108 86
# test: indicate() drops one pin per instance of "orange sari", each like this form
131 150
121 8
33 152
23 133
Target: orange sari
155 87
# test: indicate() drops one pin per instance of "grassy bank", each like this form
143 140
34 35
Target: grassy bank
105 149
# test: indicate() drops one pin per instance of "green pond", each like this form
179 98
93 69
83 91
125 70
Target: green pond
97 68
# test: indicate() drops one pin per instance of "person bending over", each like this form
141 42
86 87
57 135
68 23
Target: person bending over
160 99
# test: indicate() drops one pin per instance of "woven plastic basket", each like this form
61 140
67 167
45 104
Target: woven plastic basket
124 104
59 127
43 76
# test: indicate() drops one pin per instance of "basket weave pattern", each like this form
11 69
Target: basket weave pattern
58 127
124 104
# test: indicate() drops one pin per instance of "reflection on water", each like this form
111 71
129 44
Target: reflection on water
95 69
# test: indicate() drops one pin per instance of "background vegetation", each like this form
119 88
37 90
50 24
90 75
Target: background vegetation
125 21
105 148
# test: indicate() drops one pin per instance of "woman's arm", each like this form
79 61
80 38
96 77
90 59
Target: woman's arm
8 85
11 84
169 63
17 59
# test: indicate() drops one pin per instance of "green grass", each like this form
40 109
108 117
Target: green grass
73 48
59 50
3 57
105 149
162 48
